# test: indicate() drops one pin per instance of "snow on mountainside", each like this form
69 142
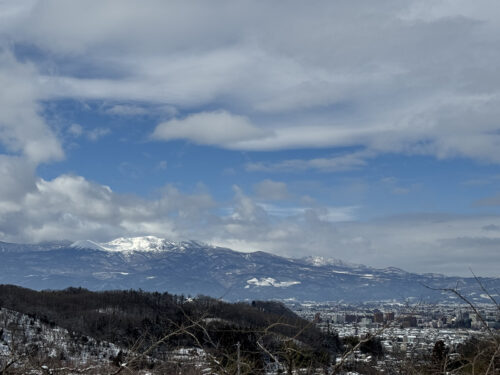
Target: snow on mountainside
190 267
86 244
156 244
321 261
143 243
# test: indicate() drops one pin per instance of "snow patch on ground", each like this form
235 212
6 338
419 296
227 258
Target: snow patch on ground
269 281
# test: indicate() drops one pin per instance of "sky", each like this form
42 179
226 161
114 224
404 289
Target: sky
364 131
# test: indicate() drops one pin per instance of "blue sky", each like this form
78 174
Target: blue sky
366 132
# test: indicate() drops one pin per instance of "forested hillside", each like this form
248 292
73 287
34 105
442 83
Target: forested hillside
157 323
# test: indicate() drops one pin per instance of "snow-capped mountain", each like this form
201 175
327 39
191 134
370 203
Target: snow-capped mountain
86 244
136 244
191 267
146 243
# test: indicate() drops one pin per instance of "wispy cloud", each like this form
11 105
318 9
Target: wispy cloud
97 133
489 201
77 130
136 109
126 110
338 163
327 214
396 187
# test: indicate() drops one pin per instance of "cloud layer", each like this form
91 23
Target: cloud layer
386 77
417 79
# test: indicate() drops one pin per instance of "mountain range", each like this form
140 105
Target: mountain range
191 268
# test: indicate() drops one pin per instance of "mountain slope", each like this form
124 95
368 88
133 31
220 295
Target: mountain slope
194 268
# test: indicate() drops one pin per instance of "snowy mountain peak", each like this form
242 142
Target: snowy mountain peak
144 243
86 244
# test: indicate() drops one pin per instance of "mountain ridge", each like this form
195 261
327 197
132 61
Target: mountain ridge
191 267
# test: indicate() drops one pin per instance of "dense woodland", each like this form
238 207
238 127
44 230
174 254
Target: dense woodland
156 323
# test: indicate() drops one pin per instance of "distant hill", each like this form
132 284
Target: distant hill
192 268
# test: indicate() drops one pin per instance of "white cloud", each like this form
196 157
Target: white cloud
210 128
313 79
271 190
22 130
17 177
72 207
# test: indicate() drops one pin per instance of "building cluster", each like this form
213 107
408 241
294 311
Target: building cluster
402 329
376 315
